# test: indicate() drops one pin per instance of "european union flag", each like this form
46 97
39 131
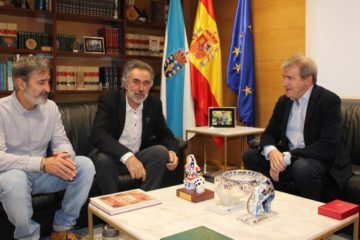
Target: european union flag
240 68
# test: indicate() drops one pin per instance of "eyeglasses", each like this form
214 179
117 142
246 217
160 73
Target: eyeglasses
138 82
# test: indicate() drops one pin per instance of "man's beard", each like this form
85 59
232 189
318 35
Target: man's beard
40 99
133 96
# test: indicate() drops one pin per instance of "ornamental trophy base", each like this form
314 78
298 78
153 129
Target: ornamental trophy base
251 219
223 210
192 196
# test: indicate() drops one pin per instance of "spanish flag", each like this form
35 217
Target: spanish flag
205 63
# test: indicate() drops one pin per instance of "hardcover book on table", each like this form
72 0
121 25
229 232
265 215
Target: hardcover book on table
338 209
198 233
124 201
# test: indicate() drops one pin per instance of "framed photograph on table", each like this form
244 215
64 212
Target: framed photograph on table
94 45
221 116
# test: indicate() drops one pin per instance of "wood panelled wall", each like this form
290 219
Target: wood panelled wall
279 32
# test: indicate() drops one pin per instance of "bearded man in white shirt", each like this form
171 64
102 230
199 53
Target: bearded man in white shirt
130 135
29 122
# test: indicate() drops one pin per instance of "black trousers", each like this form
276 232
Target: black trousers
308 177
108 169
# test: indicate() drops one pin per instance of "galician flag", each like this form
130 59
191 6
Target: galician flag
178 106
205 63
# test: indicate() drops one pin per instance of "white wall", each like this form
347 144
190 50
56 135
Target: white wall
333 41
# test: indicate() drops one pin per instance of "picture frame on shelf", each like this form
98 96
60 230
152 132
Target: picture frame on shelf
222 117
94 44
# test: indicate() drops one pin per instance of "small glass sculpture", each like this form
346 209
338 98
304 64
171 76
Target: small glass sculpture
235 186
260 200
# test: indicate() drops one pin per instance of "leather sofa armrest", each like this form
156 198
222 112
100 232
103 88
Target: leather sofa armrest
182 144
355 169
254 143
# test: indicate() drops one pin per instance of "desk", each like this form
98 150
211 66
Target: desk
295 218
226 133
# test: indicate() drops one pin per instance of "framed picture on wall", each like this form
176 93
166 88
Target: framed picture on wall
222 117
94 45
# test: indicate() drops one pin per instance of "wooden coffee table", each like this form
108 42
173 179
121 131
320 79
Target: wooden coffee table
294 218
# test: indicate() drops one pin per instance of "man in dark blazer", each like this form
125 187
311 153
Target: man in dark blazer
127 124
302 142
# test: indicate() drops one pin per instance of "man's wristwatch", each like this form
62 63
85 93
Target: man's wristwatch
42 164
287 158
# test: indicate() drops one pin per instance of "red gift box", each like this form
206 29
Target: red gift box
338 209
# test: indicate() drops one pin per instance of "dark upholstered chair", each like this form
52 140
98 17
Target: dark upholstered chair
351 115
350 110
77 119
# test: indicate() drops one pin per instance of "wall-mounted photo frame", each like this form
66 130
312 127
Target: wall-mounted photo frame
94 45
222 117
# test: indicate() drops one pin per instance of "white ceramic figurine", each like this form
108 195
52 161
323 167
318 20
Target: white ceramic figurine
193 179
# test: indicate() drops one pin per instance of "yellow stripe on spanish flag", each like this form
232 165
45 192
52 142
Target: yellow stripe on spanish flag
205 63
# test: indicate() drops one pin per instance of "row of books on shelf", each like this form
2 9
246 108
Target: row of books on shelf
43 4
86 78
11 38
6 80
111 38
159 11
157 80
33 41
65 42
37 4
104 8
8 33
70 77
42 41
144 45
109 77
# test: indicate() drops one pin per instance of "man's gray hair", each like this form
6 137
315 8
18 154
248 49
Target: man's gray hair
307 66
135 64
26 65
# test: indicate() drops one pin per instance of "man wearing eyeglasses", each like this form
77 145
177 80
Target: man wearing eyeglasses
127 124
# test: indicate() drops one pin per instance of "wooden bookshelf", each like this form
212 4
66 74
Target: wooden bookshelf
146 25
53 23
145 58
23 51
87 55
23 12
84 18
